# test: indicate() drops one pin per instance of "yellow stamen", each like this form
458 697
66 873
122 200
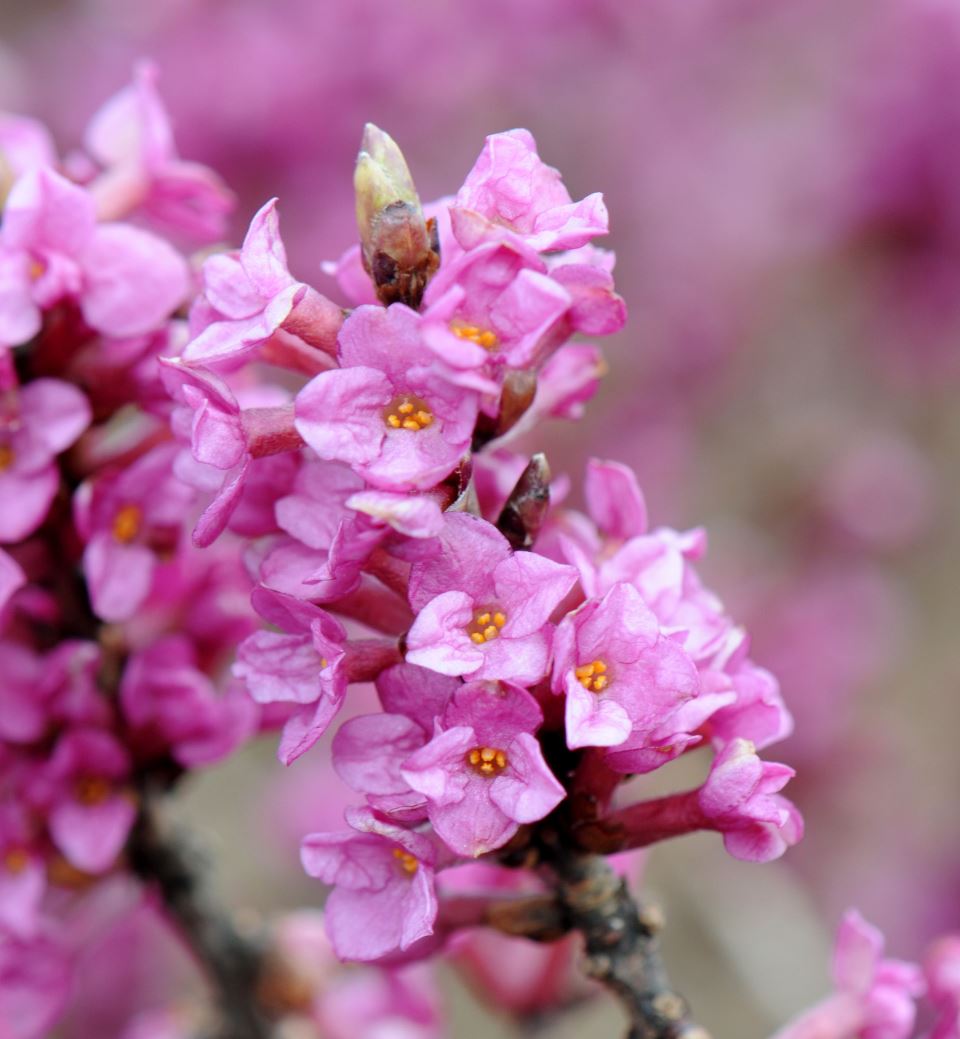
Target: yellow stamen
407 412
486 624
593 676
126 523
37 269
91 790
408 863
487 761
16 860
6 457
481 336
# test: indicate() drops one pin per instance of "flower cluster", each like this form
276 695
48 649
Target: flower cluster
101 697
521 654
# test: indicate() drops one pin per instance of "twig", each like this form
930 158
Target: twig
232 962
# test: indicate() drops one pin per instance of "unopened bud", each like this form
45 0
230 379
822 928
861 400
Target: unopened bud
526 508
398 246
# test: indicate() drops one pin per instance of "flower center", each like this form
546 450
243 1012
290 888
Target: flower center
481 336
16 860
486 625
91 790
407 862
37 269
487 761
6 457
126 523
593 676
408 412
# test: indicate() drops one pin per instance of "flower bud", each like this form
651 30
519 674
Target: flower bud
398 246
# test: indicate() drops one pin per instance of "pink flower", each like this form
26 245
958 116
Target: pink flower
172 707
91 811
383 898
483 773
390 411
35 977
37 422
12 578
131 137
127 518
126 281
249 295
23 873
874 998
510 190
367 1004
741 799
484 610
303 663
493 308
369 751
622 679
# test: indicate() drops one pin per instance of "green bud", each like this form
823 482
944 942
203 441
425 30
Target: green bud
398 246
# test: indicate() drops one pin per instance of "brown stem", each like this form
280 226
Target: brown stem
232 962
621 945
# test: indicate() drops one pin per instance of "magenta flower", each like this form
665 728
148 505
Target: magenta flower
23 874
493 308
35 982
37 422
741 799
369 751
483 773
510 190
127 518
173 708
875 997
390 411
126 281
249 295
91 810
12 578
303 663
484 610
131 137
383 898
622 679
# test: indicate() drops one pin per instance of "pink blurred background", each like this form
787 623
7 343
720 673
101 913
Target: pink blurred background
783 179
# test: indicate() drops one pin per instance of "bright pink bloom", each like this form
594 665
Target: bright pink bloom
484 610
37 422
303 663
369 751
875 997
510 190
126 281
11 578
483 773
173 708
126 519
91 811
493 308
35 976
622 679
383 898
368 1004
131 137
741 799
390 411
248 296
23 873
26 145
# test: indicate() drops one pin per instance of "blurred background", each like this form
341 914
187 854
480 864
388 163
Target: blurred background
783 179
